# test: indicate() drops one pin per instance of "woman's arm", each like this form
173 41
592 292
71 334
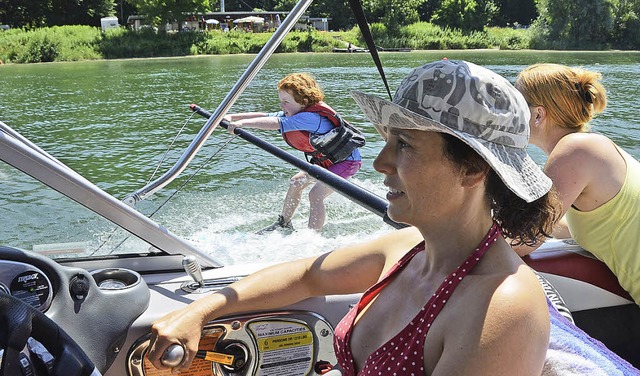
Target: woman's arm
355 267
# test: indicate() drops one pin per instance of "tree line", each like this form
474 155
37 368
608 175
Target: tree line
556 24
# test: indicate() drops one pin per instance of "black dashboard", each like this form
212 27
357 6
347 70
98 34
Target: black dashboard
95 308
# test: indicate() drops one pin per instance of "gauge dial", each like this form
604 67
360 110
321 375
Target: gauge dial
32 287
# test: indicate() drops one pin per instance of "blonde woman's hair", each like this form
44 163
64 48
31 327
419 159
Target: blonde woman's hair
572 96
303 88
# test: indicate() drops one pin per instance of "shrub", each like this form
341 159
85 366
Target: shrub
40 48
510 39
58 43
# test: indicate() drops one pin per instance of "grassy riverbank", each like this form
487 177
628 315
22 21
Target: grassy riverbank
73 43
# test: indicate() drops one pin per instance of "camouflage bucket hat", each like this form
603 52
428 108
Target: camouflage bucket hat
472 103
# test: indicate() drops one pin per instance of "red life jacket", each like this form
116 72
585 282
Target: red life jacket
300 140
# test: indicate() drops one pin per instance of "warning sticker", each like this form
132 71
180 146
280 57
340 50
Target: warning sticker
285 341
284 347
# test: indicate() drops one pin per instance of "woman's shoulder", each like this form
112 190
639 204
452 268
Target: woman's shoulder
396 244
576 151
587 169
519 297
584 143
506 285
520 289
503 283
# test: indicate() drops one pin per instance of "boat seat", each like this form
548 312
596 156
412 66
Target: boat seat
597 302
566 259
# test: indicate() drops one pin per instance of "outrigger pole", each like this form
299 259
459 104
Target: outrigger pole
224 106
357 194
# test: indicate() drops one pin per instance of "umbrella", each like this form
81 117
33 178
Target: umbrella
212 21
251 19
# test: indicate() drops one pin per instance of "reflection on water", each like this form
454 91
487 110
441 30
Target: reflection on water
112 121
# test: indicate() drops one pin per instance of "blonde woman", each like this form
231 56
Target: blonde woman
597 181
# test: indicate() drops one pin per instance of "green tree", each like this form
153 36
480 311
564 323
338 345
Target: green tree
285 5
393 13
573 24
400 13
338 11
159 12
626 24
23 13
79 12
466 15
41 13
238 5
510 12
428 9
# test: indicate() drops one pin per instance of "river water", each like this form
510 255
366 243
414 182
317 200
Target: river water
113 121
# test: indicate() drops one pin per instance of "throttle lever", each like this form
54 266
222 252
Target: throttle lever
172 356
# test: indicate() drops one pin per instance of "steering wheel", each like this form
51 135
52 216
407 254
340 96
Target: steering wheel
19 321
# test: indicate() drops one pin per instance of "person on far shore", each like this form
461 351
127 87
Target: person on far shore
304 116
597 181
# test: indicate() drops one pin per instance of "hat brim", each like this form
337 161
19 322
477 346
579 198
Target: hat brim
515 167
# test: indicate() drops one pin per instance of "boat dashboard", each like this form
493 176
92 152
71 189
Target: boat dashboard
108 312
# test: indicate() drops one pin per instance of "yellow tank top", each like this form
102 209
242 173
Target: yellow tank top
612 231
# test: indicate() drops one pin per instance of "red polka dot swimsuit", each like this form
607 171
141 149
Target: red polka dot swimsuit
403 354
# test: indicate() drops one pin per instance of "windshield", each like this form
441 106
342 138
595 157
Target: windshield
48 222
40 219
217 223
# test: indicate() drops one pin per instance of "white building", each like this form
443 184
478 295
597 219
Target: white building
109 23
